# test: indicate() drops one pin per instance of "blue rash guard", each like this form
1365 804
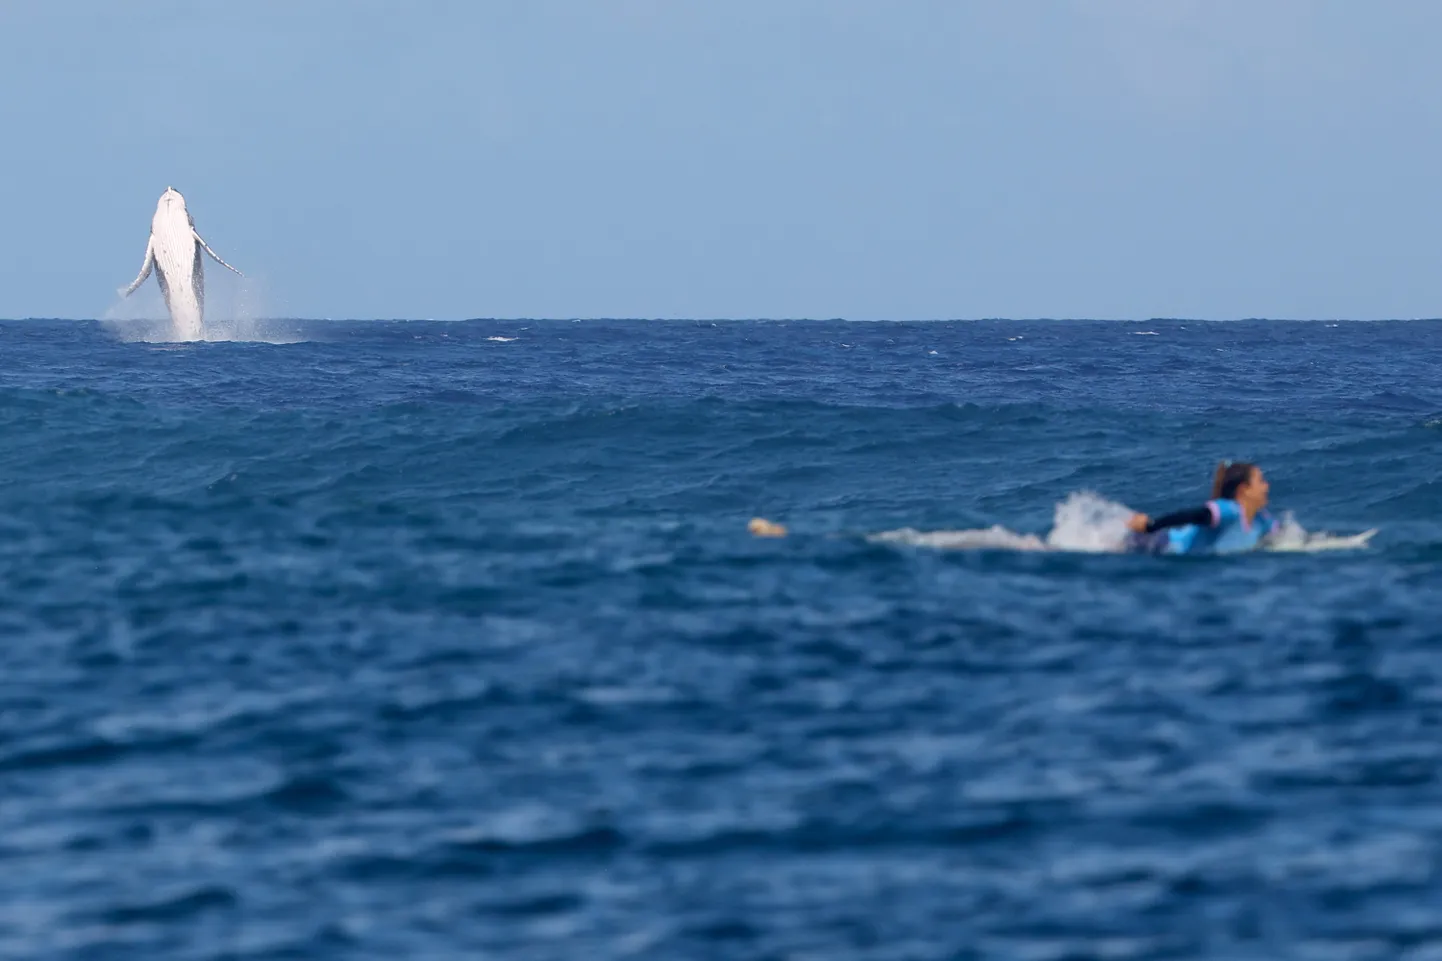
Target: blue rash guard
1220 527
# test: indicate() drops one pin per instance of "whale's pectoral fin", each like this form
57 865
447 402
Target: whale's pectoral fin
144 269
215 256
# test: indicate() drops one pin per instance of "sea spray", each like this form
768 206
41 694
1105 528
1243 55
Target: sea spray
236 313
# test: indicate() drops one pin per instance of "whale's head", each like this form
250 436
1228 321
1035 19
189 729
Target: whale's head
170 209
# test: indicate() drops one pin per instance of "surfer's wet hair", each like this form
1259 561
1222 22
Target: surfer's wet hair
1230 475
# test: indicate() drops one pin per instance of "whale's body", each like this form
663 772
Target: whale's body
174 254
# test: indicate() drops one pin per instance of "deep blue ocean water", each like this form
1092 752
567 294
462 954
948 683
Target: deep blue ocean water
403 641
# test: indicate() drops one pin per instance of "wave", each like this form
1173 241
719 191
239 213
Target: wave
1090 524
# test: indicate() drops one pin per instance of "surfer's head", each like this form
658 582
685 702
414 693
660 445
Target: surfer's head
1241 482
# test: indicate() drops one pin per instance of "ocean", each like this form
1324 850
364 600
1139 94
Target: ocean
434 640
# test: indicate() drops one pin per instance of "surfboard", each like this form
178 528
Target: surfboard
1330 542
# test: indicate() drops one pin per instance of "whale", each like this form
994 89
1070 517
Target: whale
173 253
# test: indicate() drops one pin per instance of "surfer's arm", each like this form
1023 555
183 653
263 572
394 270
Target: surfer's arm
1204 516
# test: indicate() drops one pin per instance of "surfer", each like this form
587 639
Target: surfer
1235 519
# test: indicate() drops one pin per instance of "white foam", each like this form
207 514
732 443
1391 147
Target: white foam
1083 522
992 538
501 340
1089 522
217 330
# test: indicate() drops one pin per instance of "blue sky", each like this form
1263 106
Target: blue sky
780 158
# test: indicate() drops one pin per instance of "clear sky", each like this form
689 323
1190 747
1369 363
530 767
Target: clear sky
746 158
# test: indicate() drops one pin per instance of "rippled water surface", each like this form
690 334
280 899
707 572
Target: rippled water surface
424 640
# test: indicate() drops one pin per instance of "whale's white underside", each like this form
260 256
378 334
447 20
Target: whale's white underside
173 252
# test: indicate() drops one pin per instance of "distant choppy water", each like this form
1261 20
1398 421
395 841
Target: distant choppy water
406 641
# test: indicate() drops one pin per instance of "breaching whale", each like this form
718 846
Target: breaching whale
173 252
